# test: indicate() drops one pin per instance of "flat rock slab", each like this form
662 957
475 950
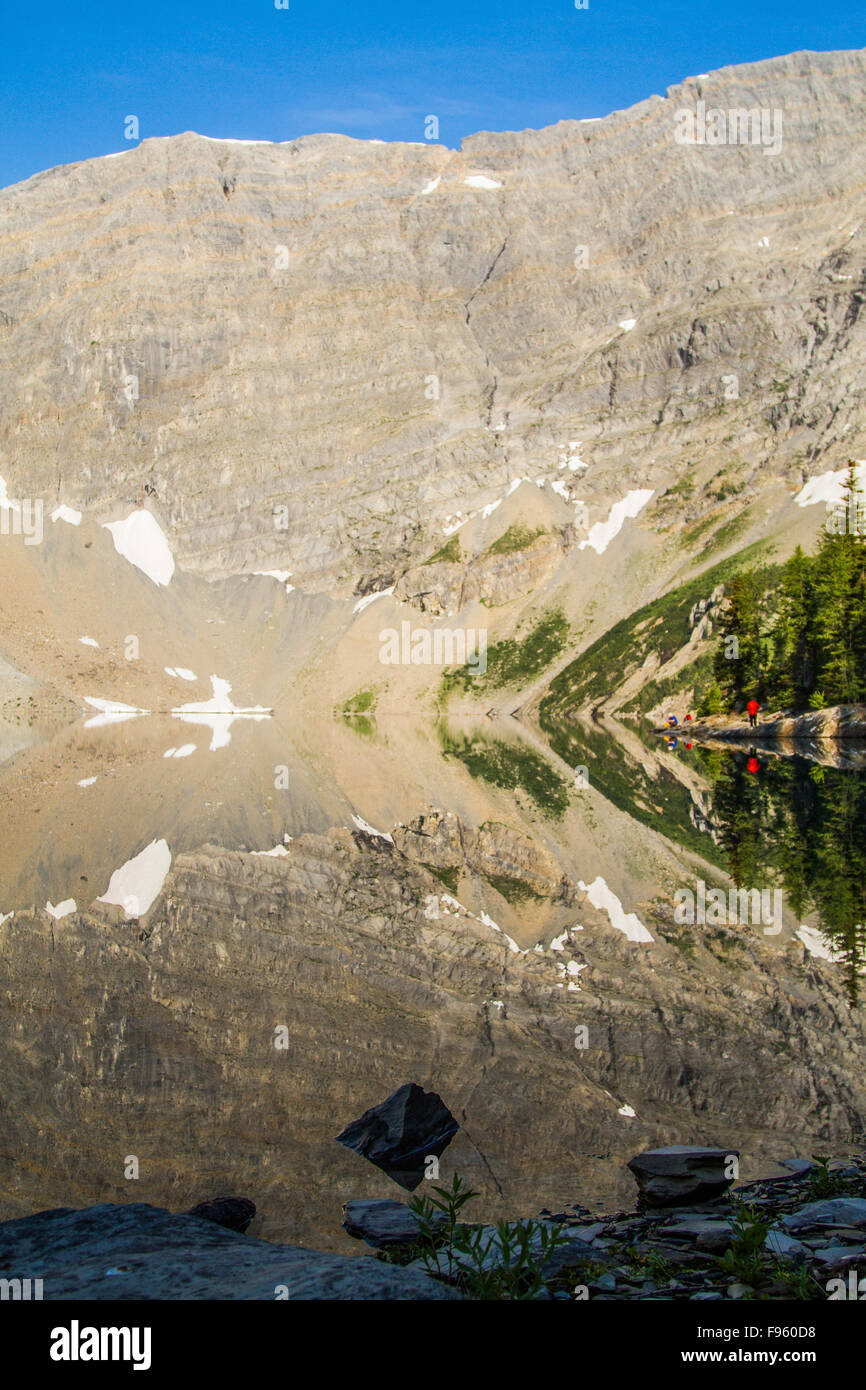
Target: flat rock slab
381 1224
682 1174
398 1135
785 1246
117 1252
835 1211
712 1237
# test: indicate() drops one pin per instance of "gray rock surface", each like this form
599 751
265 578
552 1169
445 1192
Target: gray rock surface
402 1133
312 325
160 1042
835 1211
681 1173
380 1224
138 1251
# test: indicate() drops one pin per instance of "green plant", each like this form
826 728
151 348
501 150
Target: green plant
505 1261
450 876
745 1258
822 1183
652 1265
514 890
362 703
450 553
438 1224
798 1283
509 766
513 661
517 537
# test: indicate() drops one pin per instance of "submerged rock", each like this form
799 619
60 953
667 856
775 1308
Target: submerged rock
235 1213
400 1133
381 1224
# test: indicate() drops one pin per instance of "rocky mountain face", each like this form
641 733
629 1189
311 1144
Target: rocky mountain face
310 355
549 378
230 1034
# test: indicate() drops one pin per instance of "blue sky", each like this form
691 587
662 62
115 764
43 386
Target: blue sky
71 74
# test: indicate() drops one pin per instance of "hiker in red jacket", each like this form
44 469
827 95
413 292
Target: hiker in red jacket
753 708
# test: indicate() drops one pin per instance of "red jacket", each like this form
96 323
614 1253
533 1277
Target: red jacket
753 707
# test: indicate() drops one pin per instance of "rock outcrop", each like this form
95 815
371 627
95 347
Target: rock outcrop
111 1253
819 725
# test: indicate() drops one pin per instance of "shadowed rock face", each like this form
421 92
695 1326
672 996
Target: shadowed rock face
682 1173
159 1042
401 1133
305 326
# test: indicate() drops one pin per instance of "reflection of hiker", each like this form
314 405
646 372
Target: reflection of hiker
753 765
672 721
753 708
672 743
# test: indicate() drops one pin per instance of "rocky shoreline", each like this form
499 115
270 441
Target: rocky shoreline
692 1236
835 722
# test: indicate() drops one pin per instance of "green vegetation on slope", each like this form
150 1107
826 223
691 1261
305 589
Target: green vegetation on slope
796 638
663 802
801 826
514 661
510 766
517 537
661 626
450 553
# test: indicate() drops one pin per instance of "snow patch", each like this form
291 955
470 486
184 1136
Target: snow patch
111 712
62 909
181 672
87 782
829 487
370 830
481 181
627 1111
136 885
278 852
88 641
816 943
141 540
218 713
371 598
6 502
603 532
601 897
183 752
282 575
627 325
432 186
225 140
68 514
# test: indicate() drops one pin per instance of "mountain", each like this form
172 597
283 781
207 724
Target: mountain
292 409
309 355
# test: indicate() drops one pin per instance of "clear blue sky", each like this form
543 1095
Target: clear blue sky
71 73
